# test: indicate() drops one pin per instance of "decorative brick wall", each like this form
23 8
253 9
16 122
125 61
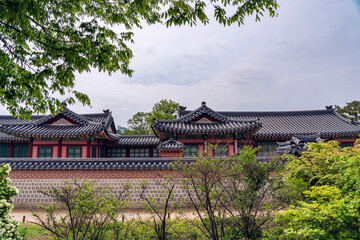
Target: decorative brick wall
91 174
30 181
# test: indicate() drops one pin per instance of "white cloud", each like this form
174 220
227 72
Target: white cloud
306 58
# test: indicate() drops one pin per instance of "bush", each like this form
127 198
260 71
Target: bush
162 206
90 212
235 197
330 208
8 227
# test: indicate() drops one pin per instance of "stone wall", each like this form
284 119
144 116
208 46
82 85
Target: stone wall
90 174
30 197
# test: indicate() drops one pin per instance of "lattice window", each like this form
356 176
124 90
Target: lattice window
343 145
45 152
191 150
74 151
93 152
115 152
266 148
21 150
139 152
156 152
221 151
4 150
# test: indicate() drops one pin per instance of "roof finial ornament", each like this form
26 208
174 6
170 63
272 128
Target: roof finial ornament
106 111
329 107
64 104
203 103
182 108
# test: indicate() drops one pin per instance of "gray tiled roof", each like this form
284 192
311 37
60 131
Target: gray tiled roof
7 119
6 138
79 119
90 163
201 111
186 124
142 140
288 123
86 124
297 144
202 128
171 144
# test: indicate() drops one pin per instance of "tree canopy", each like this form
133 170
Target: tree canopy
44 43
140 123
351 110
330 206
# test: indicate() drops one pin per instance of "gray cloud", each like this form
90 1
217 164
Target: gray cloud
306 58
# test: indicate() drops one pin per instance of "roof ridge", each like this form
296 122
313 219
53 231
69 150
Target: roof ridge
342 118
137 135
80 119
207 123
269 112
203 109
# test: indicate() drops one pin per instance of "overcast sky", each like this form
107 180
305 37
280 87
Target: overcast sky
306 58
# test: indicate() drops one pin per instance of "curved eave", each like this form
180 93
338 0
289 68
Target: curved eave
109 135
322 135
245 129
17 139
91 164
86 134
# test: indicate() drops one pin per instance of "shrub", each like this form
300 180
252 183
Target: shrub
330 208
235 197
161 206
90 211
8 227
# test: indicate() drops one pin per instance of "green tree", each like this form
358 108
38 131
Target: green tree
89 211
235 197
318 166
330 208
140 123
351 110
163 110
8 227
44 43
160 207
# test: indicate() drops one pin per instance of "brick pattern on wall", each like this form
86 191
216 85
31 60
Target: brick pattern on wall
91 174
29 195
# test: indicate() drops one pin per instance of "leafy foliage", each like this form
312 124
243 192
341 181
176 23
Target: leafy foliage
44 43
89 211
162 206
235 197
331 205
163 110
319 165
8 227
351 110
140 123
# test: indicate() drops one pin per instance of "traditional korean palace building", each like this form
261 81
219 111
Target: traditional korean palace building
50 150
69 135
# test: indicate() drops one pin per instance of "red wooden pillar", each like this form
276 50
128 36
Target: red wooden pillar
59 148
98 149
30 148
11 149
88 149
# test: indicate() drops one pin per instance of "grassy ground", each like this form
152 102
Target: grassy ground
137 229
32 232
